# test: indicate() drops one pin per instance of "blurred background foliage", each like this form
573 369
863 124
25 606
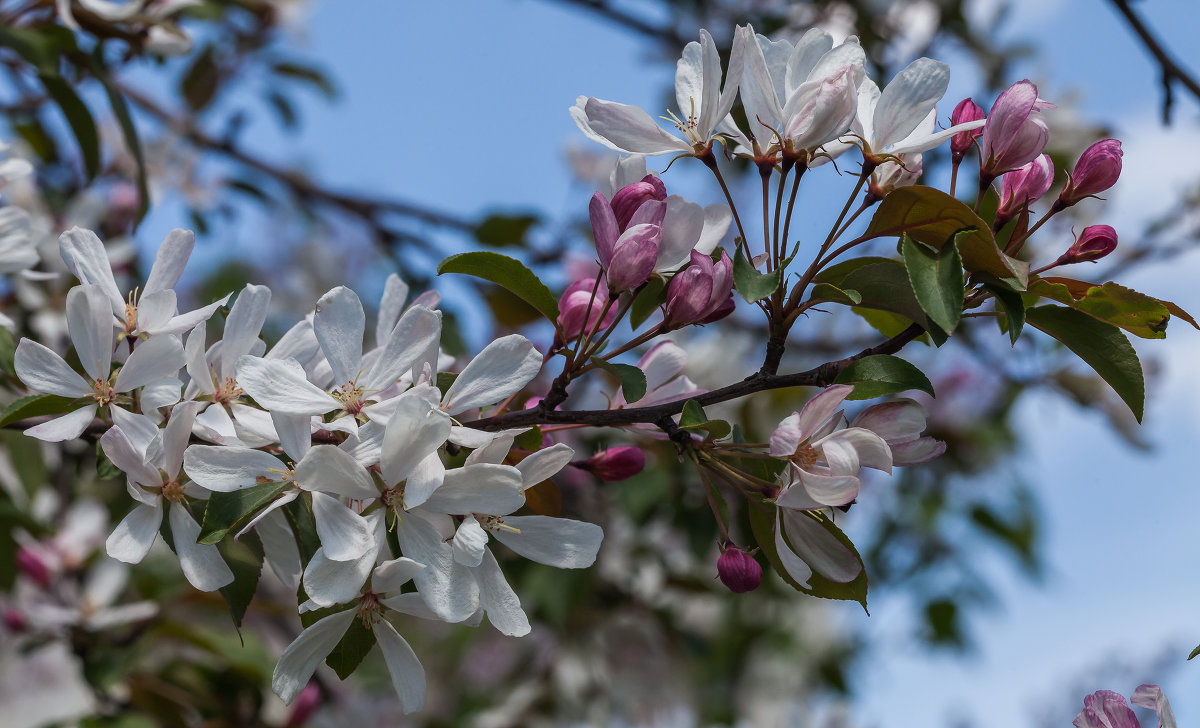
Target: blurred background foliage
115 118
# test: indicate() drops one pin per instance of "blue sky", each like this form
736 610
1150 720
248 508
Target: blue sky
464 107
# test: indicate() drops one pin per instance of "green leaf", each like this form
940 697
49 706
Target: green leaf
632 379
230 511
351 650
648 299
937 281
105 469
1111 303
503 231
444 381
829 293
507 272
530 439
35 405
1101 345
1013 306
245 560
880 374
753 286
693 418
8 353
1194 652
933 217
309 75
199 83
762 524
881 283
79 118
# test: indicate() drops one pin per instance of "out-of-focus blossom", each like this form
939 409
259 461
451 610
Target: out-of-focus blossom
1015 132
703 103
901 423
1024 186
1095 242
663 366
1106 709
1151 696
1098 168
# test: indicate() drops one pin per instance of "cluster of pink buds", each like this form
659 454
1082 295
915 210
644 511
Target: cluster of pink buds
628 232
579 310
702 292
1024 186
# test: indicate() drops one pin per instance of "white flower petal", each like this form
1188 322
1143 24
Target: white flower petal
279 548
483 488
470 541
201 563
90 323
301 658
559 542
819 548
339 325
389 576
828 490
544 464
328 582
448 588
224 469
280 385
629 129
470 437
391 304
424 480
344 534
160 393
86 258
498 599
908 99
67 427
417 330
414 432
294 433
131 540
195 360
143 433
500 370
118 449
156 358
792 564
43 370
298 343
871 450
411 603
328 469
242 326
188 320
408 677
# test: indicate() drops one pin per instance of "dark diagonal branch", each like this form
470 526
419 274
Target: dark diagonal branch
1172 72
819 376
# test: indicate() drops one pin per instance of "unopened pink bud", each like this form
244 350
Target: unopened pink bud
305 705
1015 133
1024 186
1095 242
15 621
967 110
702 292
33 567
630 198
634 256
738 570
576 304
1098 168
616 463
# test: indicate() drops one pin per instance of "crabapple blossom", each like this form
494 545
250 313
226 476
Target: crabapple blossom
1098 169
1015 132
1095 242
966 111
1023 186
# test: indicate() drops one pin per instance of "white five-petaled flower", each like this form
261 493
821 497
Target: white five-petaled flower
90 323
152 310
301 658
151 484
703 103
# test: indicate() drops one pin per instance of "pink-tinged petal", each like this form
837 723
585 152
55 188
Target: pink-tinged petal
483 488
224 469
787 436
1105 709
796 498
122 453
414 432
662 363
328 469
280 385
500 370
339 325
634 257
345 535
67 427
870 450
90 323
408 677
682 225
86 258
498 600
818 410
449 588
917 452
170 261
418 330
201 563
629 129
153 359
559 542
301 658
820 549
922 141
828 490
907 100
43 370
840 455
605 229
897 421
1151 696
242 326
131 540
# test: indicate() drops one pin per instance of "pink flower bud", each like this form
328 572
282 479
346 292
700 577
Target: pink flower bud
738 570
1105 709
573 307
305 705
33 567
890 175
616 463
15 621
1024 186
1015 133
634 256
702 292
1098 168
630 198
967 110
1094 243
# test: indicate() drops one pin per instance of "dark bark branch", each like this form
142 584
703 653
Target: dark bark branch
1172 72
820 376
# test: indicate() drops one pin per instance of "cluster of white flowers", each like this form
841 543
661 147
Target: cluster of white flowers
185 418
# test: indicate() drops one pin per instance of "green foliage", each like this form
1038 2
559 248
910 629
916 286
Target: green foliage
8 353
1111 303
829 293
245 559
1194 652
632 379
507 272
937 281
350 651
880 374
881 284
754 286
505 231
693 418
231 511
1101 345
648 299
1012 305
934 218
120 108
199 84
79 118
35 405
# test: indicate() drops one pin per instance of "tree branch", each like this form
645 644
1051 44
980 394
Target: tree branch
819 376
1172 72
